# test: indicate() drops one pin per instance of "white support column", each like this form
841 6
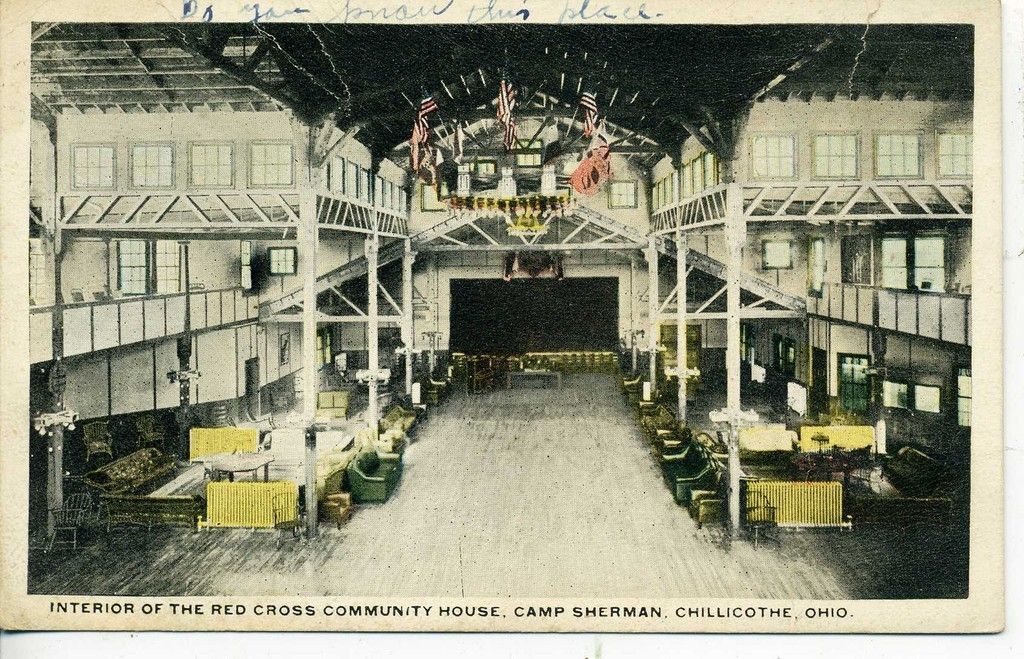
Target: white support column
408 256
652 314
372 329
633 348
681 364
307 243
735 238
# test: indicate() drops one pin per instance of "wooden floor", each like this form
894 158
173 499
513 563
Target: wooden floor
530 492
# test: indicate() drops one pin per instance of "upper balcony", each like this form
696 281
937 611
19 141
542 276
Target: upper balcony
820 201
941 316
99 325
105 213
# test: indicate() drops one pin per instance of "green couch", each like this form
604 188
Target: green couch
689 470
372 477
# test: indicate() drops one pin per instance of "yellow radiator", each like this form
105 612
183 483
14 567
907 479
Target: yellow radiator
844 437
796 503
208 441
250 504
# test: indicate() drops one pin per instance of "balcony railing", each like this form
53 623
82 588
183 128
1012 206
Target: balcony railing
942 316
198 211
766 201
91 326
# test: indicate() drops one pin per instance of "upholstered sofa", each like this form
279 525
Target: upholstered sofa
330 471
372 477
689 470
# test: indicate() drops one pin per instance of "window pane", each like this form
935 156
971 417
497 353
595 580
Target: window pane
926 398
777 254
894 394
816 266
271 164
774 156
152 166
898 155
212 164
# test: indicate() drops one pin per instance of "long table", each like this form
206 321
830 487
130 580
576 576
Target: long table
556 376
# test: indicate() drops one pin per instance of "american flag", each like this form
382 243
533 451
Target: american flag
589 104
421 130
506 108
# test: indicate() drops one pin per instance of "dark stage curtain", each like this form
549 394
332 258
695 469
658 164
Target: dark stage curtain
534 315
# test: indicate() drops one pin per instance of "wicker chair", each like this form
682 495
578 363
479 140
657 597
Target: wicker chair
150 436
97 440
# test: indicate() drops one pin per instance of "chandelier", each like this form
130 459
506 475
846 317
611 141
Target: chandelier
524 215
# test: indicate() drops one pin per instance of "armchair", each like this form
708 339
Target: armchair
372 477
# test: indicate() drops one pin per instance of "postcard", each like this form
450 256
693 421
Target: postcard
501 315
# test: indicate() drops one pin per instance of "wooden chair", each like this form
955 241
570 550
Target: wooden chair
761 520
97 440
68 519
286 516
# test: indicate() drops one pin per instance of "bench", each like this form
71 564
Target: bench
152 511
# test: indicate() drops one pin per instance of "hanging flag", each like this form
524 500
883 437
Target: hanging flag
589 104
506 110
419 141
595 168
415 143
458 147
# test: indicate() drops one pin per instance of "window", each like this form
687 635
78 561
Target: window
784 355
816 266
926 398
776 255
854 388
963 397
955 156
211 165
894 394
926 262
168 267
336 175
271 164
894 262
898 156
351 187
323 346
133 267
152 166
282 260
36 270
245 258
710 170
365 192
284 348
92 167
855 259
697 175
686 180
403 200
429 200
835 156
486 167
929 263
748 337
774 156
527 159
622 194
